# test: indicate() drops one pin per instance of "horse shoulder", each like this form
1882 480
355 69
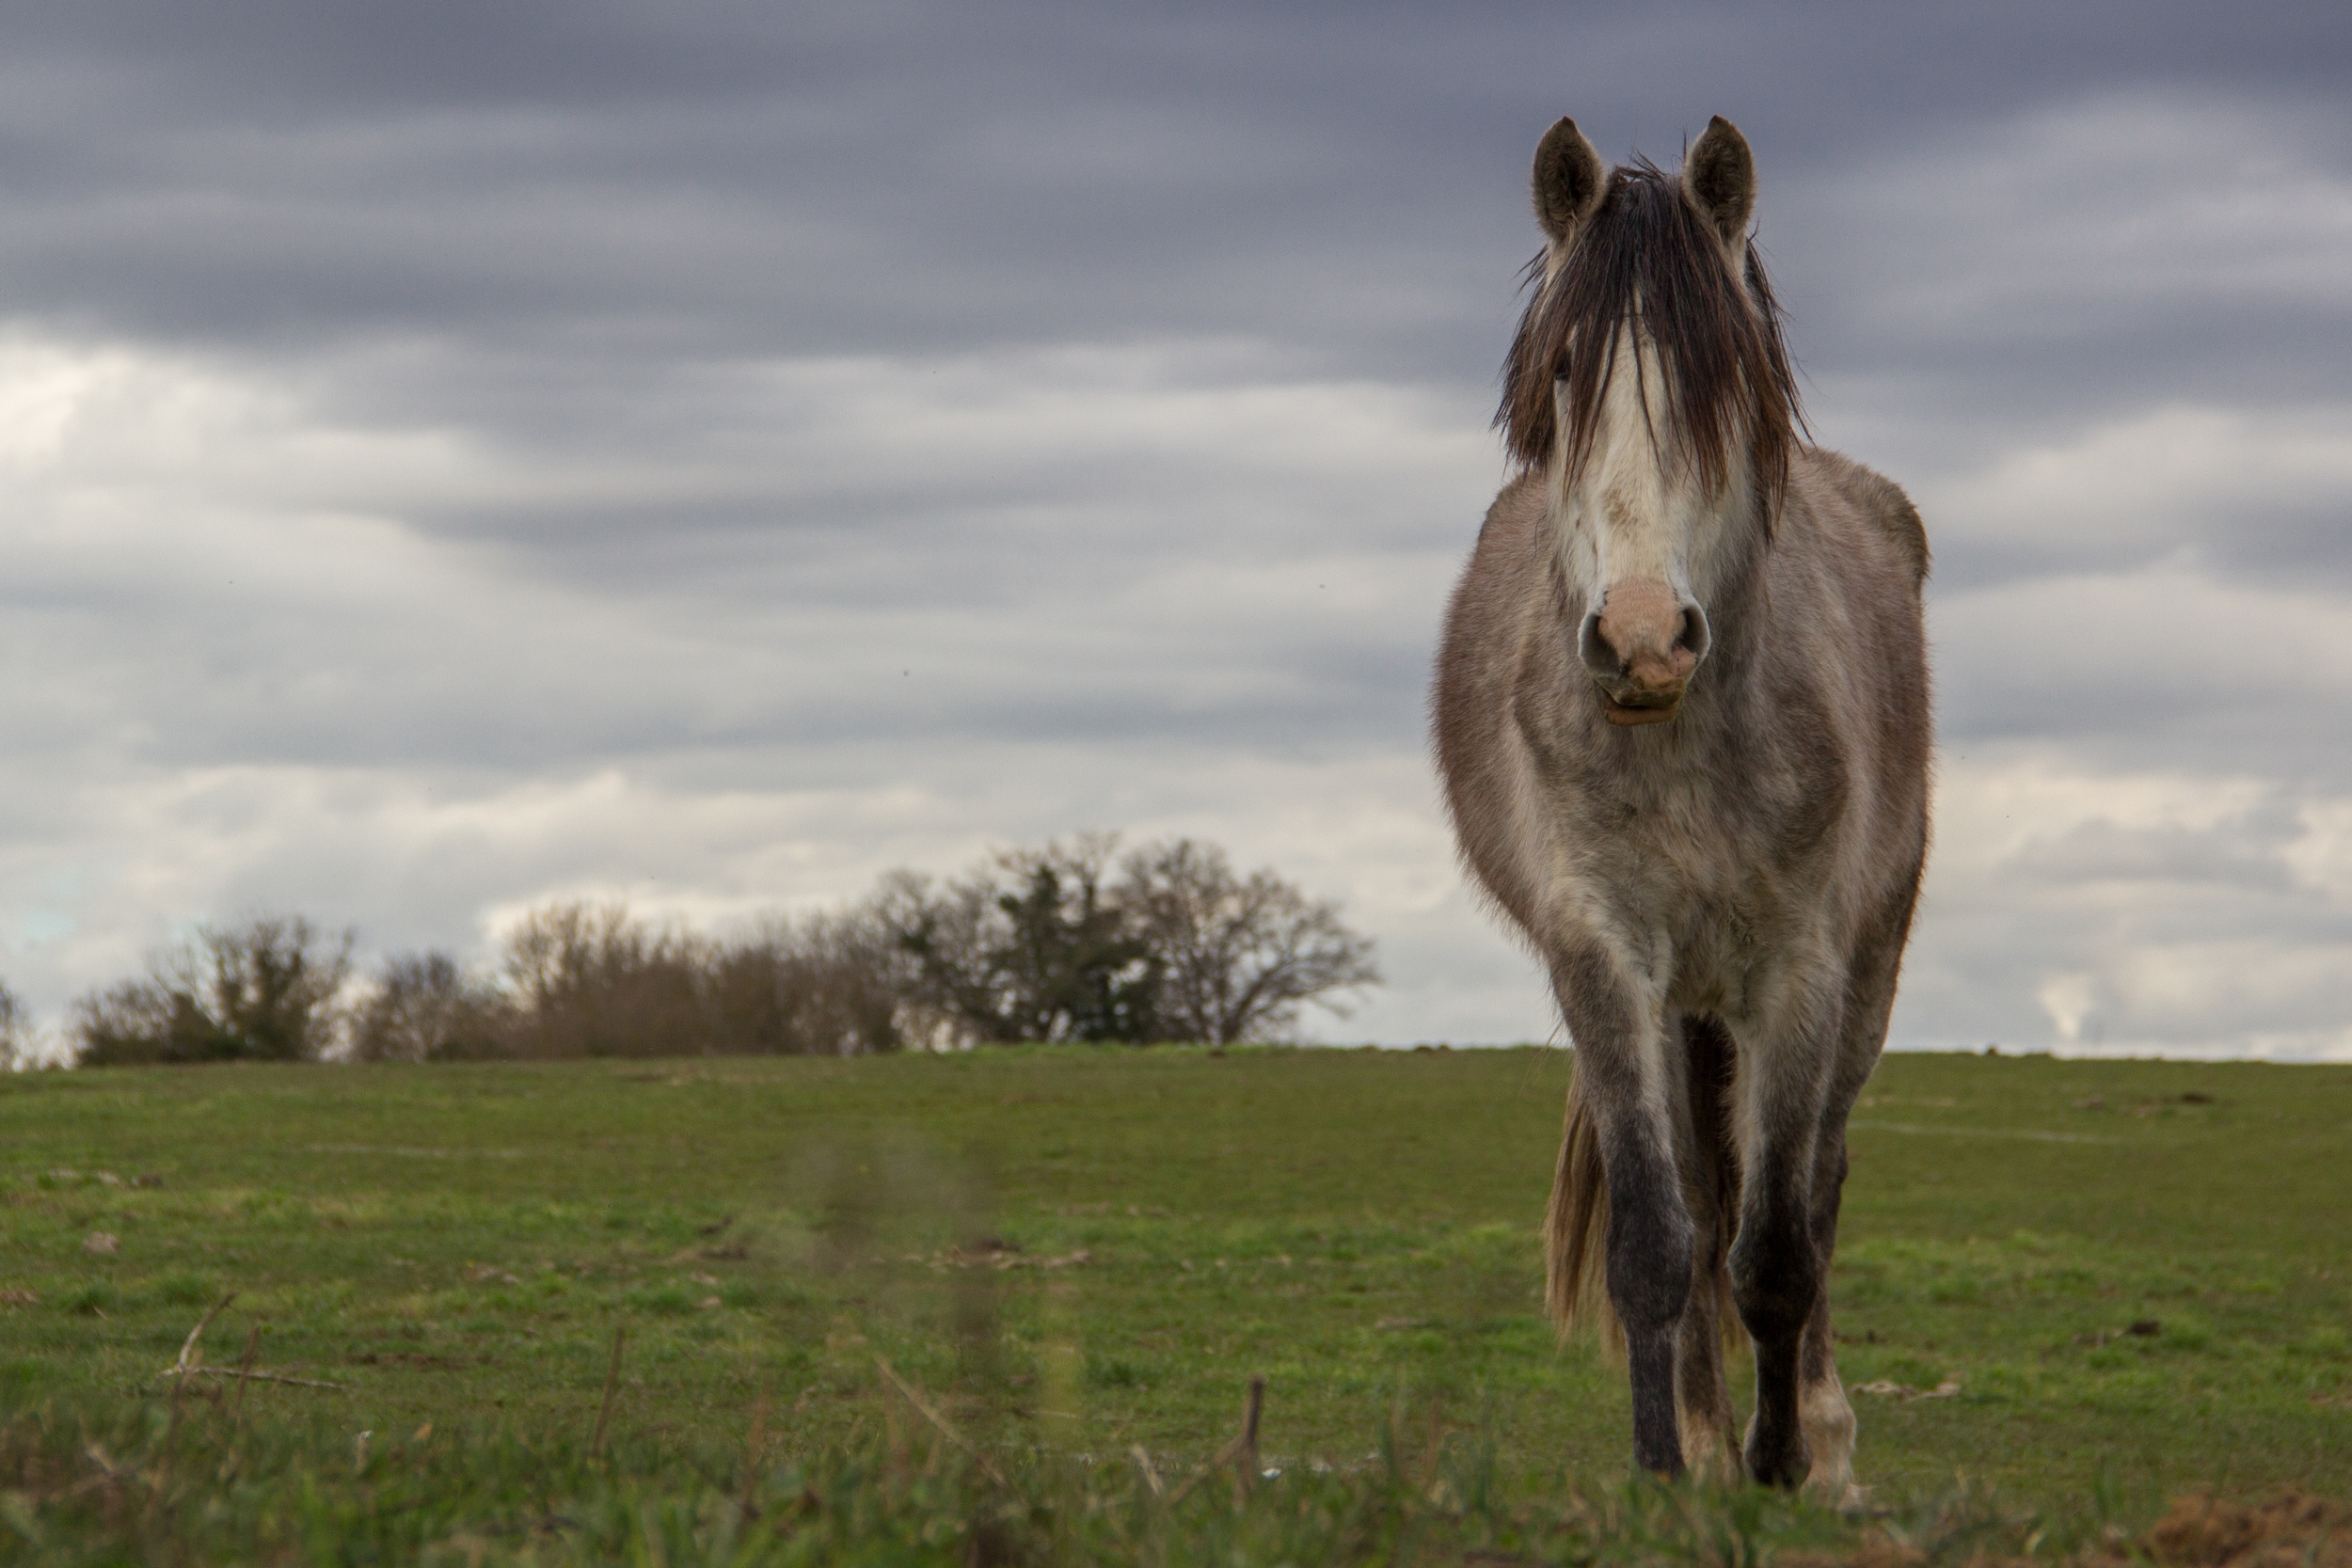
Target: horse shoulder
1499 644
1491 602
1874 498
1516 519
1874 714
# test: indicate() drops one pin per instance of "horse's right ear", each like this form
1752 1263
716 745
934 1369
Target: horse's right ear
1570 181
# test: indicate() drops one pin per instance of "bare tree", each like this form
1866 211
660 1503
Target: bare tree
593 980
825 986
18 1048
427 1008
267 990
587 979
1238 956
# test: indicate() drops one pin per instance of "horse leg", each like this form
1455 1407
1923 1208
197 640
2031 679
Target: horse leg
1711 1441
1650 1237
1634 1090
1823 1411
1778 1270
1826 1414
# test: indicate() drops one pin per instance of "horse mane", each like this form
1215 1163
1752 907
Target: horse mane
1647 256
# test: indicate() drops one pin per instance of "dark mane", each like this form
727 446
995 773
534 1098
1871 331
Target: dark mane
1648 255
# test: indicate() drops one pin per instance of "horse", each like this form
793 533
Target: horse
1681 713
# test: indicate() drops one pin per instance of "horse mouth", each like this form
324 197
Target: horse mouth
1627 714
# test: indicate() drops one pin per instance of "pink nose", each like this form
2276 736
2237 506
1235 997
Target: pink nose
1641 647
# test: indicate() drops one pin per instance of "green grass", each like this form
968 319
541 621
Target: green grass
154 1491
456 1245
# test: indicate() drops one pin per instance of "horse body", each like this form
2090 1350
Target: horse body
1681 715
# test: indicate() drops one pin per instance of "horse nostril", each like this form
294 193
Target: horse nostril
1593 649
1696 634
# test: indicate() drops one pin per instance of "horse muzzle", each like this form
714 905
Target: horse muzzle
1640 708
1641 647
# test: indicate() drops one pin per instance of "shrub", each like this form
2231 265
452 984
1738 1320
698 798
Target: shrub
268 990
829 986
427 1008
591 980
17 1049
1030 947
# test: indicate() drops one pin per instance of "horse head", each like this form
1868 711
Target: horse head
1649 382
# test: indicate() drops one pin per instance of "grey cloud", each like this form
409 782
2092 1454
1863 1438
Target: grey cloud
553 432
2174 857
2182 919
971 175
2152 669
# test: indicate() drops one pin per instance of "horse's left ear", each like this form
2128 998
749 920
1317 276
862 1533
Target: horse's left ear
1719 177
1569 182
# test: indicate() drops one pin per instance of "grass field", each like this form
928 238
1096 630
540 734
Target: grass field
1081 1252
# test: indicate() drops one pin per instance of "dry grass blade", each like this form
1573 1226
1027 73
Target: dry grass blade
755 1448
244 1373
1242 1447
611 1383
1245 1448
923 1407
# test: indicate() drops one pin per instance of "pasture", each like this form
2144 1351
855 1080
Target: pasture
2138 1276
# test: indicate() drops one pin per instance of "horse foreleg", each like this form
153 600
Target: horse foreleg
1635 1096
1650 1242
1711 1436
1778 1267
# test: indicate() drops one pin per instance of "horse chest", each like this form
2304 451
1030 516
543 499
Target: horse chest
1685 871
1674 836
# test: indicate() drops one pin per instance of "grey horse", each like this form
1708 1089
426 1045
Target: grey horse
1681 714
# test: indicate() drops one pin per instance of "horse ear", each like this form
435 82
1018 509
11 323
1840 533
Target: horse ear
1719 177
1569 180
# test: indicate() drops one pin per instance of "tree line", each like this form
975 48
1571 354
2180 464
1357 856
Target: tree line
1067 941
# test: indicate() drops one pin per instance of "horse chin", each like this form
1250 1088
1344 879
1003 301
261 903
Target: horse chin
1626 714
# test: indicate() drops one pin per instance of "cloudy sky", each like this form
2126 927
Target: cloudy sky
455 455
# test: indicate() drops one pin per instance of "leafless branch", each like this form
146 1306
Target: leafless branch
182 1367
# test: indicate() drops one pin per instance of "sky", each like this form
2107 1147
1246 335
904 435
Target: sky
455 457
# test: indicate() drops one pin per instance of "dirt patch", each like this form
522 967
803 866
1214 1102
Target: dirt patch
418 1361
2292 1530
2295 1530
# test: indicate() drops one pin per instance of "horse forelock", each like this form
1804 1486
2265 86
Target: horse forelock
1646 259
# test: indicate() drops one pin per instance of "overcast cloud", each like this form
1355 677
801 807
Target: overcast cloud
453 456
